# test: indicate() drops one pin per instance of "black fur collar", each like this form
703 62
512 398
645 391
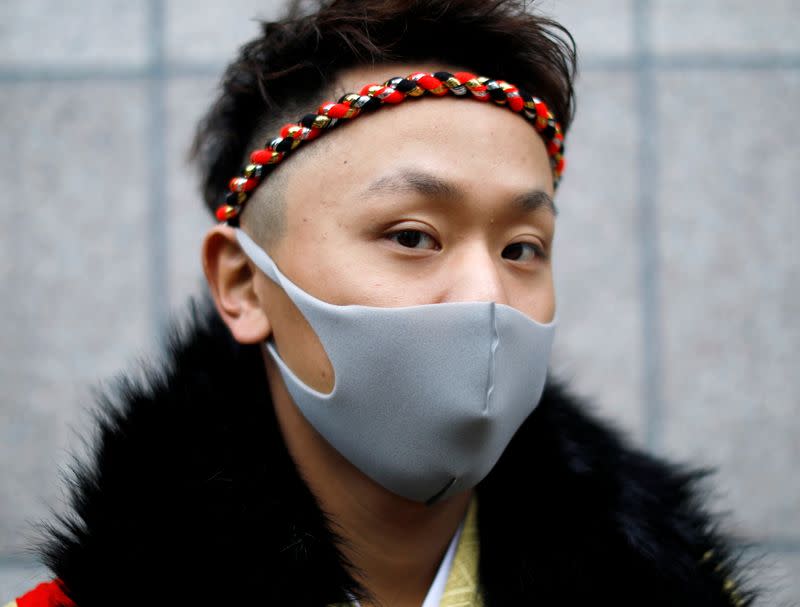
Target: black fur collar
192 499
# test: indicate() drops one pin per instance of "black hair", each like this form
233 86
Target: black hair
294 60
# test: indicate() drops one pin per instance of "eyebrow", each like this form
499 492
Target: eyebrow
427 184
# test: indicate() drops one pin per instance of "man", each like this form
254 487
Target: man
362 416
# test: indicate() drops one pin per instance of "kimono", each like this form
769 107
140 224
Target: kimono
190 497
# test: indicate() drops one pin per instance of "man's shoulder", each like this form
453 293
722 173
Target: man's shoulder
574 497
188 492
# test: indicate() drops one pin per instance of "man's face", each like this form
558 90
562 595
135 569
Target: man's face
430 201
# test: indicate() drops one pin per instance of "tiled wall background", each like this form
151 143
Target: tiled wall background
678 253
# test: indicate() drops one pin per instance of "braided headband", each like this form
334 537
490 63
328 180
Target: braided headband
393 91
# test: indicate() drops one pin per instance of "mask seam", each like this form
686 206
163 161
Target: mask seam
492 359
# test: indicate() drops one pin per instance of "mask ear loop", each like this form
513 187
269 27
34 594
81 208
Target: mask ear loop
259 257
265 263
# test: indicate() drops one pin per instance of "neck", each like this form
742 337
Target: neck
394 545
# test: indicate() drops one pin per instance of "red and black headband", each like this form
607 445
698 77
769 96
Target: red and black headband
393 91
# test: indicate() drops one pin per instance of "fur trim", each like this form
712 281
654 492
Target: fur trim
190 497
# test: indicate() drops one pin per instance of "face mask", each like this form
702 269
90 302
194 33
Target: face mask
425 398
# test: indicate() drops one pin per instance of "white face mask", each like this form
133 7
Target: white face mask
425 398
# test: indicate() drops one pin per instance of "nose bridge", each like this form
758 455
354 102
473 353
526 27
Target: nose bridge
474 275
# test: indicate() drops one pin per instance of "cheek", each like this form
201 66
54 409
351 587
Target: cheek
344 267
295 339
537 300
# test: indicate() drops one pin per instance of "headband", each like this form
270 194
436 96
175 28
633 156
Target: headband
393 91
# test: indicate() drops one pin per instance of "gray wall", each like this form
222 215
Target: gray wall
678 256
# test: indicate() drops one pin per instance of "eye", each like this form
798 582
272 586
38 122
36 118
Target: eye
413 239
523 251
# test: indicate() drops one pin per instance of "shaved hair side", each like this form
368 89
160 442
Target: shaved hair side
264 216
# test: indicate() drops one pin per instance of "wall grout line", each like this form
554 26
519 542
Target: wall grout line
168 70
647 224
11 561
124 73
704 62
788 546
156 228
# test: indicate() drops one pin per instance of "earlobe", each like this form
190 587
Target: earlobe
232 281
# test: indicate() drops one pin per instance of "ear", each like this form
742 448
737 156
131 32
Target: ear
231 277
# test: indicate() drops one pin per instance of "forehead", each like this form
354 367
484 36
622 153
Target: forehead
475 144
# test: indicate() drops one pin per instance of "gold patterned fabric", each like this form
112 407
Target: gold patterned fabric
11 604
462 588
